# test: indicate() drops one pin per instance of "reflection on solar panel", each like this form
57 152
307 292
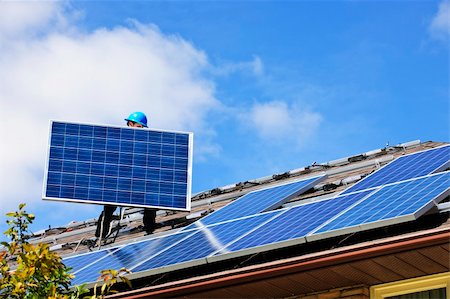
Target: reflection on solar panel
206 241
406 167
119 166
399 202
297 222
87 270
78 262
167 250
259 201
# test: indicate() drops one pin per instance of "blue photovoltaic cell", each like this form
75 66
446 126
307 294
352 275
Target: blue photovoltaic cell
204 242
259 201
297 221
119 166
406 167
126 257
80 261
392 201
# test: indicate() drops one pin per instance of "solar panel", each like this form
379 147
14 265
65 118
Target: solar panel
391 204
78 262
295 223
406 167
122 166
259 201
87 267
204 242
178 248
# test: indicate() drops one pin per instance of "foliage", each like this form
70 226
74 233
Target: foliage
109 278
39 272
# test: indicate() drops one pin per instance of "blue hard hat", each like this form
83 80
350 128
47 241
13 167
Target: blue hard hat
138 117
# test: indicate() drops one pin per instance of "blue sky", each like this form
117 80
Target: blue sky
266 86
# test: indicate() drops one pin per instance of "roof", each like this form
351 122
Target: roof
78 237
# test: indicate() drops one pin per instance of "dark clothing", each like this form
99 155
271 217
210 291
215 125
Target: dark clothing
108 211
105 218
149 220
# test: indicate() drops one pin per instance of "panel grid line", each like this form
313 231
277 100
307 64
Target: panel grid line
369 193
260 200
119 166
405 167
295 223
163 250
390 196
276 213
109 250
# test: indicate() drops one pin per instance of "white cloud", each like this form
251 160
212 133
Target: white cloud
440 25
278 121
24 17
254 67
257 66
96 77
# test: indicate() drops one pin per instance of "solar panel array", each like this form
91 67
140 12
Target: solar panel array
259 201
348 213
297 222
386 204
392 202
163 251
367 209
119 166
406 167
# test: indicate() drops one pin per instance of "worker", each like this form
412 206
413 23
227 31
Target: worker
137 120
